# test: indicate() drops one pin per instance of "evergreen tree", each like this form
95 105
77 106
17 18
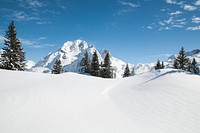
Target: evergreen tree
158 65
182 60
162 65
57 68
95 69
175 65
193 67
85 63
106 68
13 56
133 72
126 71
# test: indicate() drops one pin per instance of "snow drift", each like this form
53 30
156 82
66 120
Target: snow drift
154 102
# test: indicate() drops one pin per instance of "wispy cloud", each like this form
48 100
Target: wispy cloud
149 27
175 13
171 1
132 5
22 16
60 4
189 7
42 38
35 43
180 18
43 22
32 4
127 7
196 19
197 2
194 28
172 22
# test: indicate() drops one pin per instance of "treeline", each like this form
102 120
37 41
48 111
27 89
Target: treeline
182 62
103 69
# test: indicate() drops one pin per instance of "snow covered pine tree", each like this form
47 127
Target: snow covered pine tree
13 56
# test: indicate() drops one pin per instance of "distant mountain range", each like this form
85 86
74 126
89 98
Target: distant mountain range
72 52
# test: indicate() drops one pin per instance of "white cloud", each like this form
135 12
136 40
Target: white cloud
172 22
161 23
60 4
22 16
35 43
189 7
171 1
196 19
43 22
35 3
169 21
132 5
42 38
149 27
32 4
175 13
193 28
197 2
128 7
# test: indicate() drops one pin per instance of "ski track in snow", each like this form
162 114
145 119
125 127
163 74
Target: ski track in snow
154 102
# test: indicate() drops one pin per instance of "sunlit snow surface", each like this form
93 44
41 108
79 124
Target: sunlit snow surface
154 102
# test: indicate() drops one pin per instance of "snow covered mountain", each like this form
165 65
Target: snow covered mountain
165 101
29 64
71 54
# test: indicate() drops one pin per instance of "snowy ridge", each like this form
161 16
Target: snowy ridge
165 101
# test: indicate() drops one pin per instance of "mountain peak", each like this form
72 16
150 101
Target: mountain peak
75 46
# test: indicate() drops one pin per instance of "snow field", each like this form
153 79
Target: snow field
154 102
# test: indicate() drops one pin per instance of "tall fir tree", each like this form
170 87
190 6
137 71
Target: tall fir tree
158 65
13 57
85 63
127 71
182 60
57 67
106 68
95 67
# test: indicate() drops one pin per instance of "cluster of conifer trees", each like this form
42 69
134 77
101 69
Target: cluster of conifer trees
94 68
182 62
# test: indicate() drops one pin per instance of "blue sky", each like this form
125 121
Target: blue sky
136 31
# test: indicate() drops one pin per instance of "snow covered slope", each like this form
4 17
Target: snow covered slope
155 102
71 54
